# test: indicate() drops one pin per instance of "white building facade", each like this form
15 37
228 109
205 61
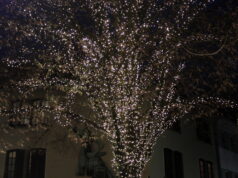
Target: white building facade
186 151
227 141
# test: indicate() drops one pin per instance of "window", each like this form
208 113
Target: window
226 173
225 142
36 163
234 143
173 164
11 163
203 130
25 115
229 141
25 163
14 164
206 169
19 118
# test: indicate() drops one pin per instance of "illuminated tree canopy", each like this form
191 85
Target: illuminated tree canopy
124 55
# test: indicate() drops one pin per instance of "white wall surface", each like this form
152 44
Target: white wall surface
191 148
63 163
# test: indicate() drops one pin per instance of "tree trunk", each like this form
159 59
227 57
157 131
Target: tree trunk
129 171
127 167
129 161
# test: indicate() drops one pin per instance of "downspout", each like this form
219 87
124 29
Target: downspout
216 144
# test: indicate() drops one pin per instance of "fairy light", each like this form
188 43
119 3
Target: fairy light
126 67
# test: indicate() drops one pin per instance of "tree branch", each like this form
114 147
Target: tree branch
207 54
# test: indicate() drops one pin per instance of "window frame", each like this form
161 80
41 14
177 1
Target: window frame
18 163
21 120
206 169
31 168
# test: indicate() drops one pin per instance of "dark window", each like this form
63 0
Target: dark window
234 143
225 142
229 142
168 162
14 164
25 163
11 159
25 115
178 164
173 164
36 163
19 118
203 130
206 169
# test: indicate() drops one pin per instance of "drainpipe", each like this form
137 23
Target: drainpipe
216 144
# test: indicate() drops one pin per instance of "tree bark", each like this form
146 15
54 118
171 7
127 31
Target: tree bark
129 171
127 168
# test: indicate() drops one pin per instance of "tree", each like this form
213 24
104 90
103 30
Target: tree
123 55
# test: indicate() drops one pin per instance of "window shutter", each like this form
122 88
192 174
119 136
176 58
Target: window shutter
178 164
37 163
19 167
6 165
168 163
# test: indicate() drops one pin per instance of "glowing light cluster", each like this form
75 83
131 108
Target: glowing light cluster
121 54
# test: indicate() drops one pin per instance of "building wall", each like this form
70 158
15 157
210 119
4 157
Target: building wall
57 165
2 163
62 154
228 148
62 158
229 160
191 148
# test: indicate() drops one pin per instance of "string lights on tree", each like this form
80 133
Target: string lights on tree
122 54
